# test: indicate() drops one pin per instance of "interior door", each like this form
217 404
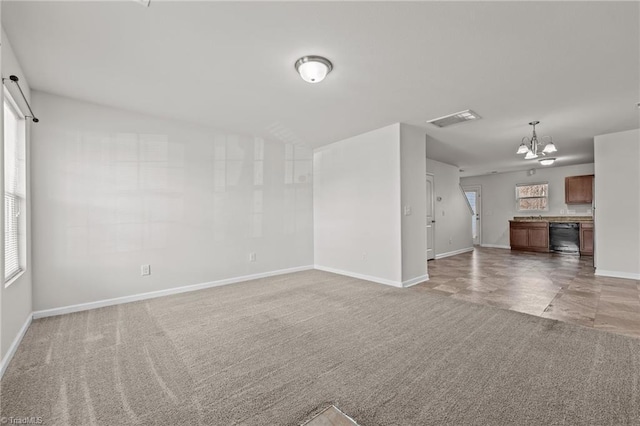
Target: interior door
475 201
431 222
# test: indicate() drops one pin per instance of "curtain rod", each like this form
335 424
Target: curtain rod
15 80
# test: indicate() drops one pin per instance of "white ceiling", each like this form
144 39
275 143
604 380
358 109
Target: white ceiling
573 66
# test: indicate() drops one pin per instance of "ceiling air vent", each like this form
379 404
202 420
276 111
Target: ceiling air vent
458 117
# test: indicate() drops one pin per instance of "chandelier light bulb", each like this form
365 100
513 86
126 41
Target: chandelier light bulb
530 155
523 148
550 148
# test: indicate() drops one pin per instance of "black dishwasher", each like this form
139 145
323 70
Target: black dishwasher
564 237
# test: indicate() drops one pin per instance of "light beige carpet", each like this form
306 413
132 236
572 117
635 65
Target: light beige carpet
274 351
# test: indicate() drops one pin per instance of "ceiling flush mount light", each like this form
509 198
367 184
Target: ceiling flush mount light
531 146
313 69
455 118
547 161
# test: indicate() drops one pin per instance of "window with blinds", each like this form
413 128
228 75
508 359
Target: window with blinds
14 189
532 196
11 248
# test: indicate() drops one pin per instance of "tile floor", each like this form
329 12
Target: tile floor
548 285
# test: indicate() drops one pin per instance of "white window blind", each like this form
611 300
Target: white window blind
11 237
532 196
14 187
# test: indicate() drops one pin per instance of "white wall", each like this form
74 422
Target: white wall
369 200
16 303
113 190
499 203
452 232
414 197
617 202
356 203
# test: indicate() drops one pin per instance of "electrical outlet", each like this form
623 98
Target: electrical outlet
145 270
252 257
407 210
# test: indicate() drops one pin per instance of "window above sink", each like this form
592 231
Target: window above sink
532 197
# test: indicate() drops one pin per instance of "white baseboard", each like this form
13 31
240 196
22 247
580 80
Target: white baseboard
617 274
453 253
416 280
14 346
160 293
359 276
496 246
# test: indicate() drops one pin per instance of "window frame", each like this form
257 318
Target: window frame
21 198
518 198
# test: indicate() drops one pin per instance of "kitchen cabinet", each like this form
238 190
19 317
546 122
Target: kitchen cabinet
586 239
578 189
529 236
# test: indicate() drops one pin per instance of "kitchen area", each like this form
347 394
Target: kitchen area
570 234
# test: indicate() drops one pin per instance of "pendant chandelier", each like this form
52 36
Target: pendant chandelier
531 147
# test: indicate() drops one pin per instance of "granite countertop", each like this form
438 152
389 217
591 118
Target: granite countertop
552 219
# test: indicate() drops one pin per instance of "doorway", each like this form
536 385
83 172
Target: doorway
474 197
431 219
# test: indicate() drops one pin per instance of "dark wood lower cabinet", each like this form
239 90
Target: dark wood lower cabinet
586 239
534 236
529 236
539 238
519 237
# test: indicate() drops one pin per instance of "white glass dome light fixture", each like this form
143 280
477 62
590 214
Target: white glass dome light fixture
547 161
550 147
313 69
530 155
530 146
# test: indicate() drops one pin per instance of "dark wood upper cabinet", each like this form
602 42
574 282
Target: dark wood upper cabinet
578 189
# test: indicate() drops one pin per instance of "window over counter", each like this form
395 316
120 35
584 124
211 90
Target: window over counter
14 190
532 196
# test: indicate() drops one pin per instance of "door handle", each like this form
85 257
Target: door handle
433 221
